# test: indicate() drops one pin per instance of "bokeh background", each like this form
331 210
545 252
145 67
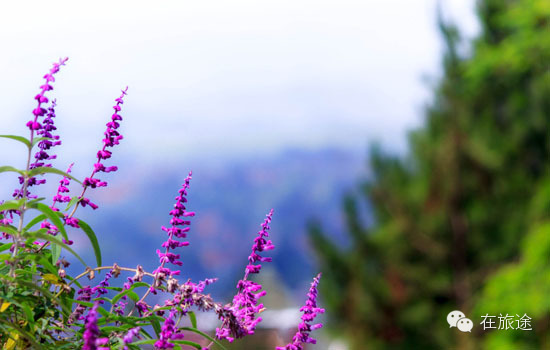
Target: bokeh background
403 146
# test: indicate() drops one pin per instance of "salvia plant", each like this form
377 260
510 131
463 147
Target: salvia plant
43 307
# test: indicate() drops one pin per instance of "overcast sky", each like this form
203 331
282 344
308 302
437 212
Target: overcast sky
224 78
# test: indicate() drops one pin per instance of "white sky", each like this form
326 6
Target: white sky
224 78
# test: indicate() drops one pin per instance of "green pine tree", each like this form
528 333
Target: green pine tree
456 208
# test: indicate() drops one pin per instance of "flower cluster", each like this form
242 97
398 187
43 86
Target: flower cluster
310 311
239 318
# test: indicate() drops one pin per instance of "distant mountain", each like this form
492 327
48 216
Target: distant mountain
231 200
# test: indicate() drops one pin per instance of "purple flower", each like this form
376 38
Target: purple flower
128 337
100 289
112 138
310 311
168 332
44 129
91 332
239 318
174 232
84 294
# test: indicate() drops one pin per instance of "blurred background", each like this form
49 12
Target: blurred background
403 146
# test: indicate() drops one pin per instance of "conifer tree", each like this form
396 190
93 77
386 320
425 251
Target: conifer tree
456 207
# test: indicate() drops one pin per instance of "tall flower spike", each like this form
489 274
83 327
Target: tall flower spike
239 318
90 330
60 198
310 311
112 138
52 140
44 129
178 230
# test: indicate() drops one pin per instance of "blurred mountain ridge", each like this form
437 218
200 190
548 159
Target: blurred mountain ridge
231 199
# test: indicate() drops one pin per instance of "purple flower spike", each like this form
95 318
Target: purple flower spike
112 138
91 332
134 332
168 332
173 232
44 129
310 311
239 318
260 245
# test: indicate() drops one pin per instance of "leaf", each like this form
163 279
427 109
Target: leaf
56 252
9 229
156 325
34 221
194 330
11 205
47 265
29 314
5 246
7 168
37 200
139 284
186 342
45 169
192 318
54 218
50 277
4 306
56 240
38 139
128 292
72 202
93 239
21 139
142 342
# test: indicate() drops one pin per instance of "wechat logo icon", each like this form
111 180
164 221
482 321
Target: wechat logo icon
459 320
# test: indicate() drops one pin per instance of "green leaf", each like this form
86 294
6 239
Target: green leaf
7 168
56 252
47 265
139 284
9 229
45 169
54 218
194 330
93 239
72 202
5 246
143 342
11 205
36 200
34 221
192 318
38 139
29 314
156 325
128 292
56 240
21 139
186 342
